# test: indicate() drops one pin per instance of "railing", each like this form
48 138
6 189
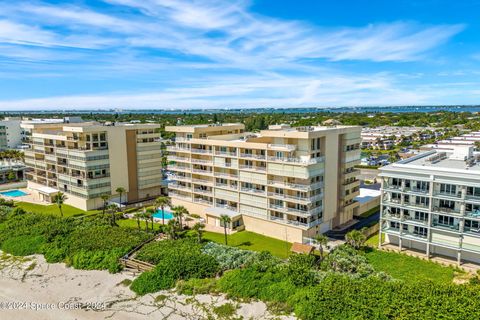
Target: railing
446 210
204 181
253 190
201 161
256 168
305 187
225 185
226 175
208 192
289 147
202 201
448 194
202 171
297 160
178 186
287 196
226 206
178 168
175 158
226 153
445 226
203 151
252 155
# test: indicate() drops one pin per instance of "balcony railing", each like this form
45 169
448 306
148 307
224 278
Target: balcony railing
226 185
297 160
226 153
253 156
202 181
202 161
202 171
226 175
255 168
253 190
446 210
295 198
202 191
203 151
305 187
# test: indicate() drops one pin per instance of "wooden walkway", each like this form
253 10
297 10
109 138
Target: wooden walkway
131 264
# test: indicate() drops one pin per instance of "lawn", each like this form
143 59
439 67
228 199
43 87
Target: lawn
68 211
407 268
132 223
373 240
252 241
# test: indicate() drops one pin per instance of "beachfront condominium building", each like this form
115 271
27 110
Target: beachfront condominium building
287 183
87 160
431 203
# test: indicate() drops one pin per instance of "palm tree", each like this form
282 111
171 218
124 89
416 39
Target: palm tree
225 220
138 215
199 228
162 202
104 198
120 191
355 238
112 208
171 229
322 241
59 199
149 215
178 213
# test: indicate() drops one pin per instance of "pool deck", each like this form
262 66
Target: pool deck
26 198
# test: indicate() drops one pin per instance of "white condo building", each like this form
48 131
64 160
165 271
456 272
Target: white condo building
431 203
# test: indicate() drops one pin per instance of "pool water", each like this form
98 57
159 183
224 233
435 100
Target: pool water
167 214
13 193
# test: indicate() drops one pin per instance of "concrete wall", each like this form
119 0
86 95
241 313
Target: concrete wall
272 229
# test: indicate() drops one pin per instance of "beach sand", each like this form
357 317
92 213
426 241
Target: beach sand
30 288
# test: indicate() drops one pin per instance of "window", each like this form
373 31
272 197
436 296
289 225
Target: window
420 231
422 201
423 216
446 204
448 188
472 224
394 225
472 191
422 185
445 220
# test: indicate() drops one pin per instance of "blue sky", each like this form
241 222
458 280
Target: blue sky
220 54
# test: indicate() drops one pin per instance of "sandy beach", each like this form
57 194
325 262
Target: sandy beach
30 288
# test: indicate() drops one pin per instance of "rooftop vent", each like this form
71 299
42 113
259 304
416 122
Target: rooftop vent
305 129
437 157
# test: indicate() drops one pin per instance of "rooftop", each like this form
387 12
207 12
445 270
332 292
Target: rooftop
458 159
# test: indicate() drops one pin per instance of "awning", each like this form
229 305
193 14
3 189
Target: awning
222 211
47 190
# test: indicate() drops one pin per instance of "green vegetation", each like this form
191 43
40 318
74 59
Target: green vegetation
175 260
68 211
370 212
132 224
88 243
407 268
252 241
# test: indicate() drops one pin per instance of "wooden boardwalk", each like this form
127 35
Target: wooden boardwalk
130 263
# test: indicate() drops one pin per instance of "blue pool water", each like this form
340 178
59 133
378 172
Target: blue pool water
13 193
158 214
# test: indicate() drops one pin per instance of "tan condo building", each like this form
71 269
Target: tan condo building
87 160
287 183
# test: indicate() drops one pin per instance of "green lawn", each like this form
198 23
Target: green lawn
373 240
252 241
132 223
407 268
68 211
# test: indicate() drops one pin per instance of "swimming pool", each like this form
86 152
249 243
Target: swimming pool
13 193
168 214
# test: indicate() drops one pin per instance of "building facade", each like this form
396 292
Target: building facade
87 160
287 183
431 203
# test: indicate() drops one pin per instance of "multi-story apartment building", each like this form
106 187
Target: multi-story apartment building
287 183
87 160
431 202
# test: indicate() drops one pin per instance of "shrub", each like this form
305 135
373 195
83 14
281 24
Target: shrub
228 257
154 252
23 245
197 286
345 259
174 266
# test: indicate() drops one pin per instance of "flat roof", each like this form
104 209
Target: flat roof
367 194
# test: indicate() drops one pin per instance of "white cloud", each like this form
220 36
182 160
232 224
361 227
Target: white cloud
208 53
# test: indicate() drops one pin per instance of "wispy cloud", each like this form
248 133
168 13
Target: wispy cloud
192 44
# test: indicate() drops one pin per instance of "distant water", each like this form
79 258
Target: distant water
398 109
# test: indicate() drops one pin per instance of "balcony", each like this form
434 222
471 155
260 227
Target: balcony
473 214
254 168
179 186
201 151
201 171
416 190
178 168
203 201
252 190
226 186
179 195
296 186
226 206
446 210
202 181
395 187
253 156
176 158
201 161
178 148
226 175
293 198
225 153
449 227
202 191
282 147
297 160
457 195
